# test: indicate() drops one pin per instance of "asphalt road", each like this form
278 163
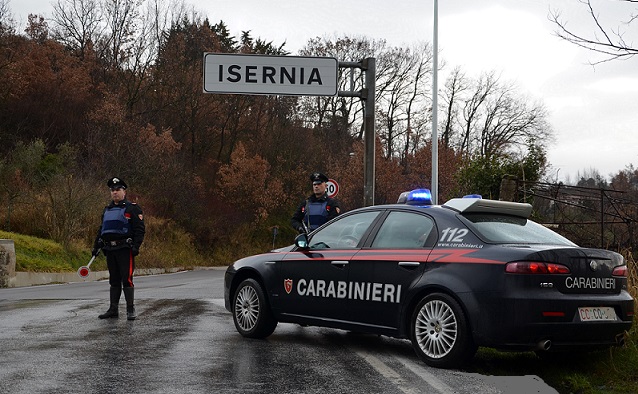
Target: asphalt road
184 341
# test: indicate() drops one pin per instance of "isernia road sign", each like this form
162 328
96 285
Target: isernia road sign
261 74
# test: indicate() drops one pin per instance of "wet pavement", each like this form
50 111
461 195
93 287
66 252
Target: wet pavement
184 341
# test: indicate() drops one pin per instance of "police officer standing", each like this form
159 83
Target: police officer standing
316 209
120 237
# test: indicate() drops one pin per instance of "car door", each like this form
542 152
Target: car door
314 281
383 272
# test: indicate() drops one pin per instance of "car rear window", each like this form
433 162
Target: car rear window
513 229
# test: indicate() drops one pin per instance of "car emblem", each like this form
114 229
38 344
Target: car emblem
593 265
288 285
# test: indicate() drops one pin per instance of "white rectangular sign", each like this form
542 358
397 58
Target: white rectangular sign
262 74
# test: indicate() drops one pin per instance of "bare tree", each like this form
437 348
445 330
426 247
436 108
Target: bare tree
492 118
510 120
403 100
123 23
455 86
401 93
77 23
472 106
139 42
604 39
7 24
345 111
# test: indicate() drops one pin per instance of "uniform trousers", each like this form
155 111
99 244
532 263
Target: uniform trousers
121 264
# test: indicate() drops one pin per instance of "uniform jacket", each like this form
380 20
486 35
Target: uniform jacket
114 231
331 211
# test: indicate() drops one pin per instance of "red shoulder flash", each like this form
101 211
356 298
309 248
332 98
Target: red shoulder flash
327 207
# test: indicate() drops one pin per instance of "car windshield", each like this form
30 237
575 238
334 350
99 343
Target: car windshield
512 229
344 233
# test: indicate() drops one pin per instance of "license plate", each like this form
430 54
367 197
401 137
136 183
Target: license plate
604 313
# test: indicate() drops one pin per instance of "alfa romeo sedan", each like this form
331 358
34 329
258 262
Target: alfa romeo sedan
471 272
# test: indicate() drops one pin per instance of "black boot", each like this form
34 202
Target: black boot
130 307
113 312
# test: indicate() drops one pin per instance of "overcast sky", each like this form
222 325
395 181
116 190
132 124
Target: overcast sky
593 110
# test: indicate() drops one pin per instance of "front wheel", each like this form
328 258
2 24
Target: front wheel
251 314
440 333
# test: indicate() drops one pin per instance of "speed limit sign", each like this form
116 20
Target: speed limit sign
332 188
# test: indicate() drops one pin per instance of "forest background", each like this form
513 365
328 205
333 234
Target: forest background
114 88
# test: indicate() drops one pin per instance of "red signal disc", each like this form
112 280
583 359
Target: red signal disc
83 272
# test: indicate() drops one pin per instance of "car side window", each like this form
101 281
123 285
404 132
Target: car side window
344 233
404 230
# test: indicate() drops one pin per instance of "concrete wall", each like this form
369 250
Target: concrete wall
23 279
7 263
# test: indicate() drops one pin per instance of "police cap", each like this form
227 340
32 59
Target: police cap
318 177
116 182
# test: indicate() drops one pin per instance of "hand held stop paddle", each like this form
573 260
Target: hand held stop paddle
84 271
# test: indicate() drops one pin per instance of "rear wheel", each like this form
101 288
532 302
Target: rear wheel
440 333
251 313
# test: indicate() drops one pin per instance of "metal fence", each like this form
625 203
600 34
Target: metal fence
589 216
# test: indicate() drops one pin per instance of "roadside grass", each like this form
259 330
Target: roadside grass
613 370
42 255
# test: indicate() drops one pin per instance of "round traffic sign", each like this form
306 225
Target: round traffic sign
332 188
83 272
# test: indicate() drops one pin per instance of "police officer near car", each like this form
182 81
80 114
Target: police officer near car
317 209
120 236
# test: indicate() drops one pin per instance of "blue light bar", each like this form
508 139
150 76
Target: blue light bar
416 197
473 196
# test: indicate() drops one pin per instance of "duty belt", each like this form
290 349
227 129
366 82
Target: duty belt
118 242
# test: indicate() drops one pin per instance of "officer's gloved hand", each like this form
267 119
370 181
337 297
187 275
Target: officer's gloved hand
135 251
95 251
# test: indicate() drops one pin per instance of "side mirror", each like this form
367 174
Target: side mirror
301 241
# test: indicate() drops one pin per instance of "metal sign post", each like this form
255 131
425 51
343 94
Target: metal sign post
367 95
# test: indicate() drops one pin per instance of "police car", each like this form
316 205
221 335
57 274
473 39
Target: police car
471 272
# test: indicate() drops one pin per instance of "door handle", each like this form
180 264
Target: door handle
339 263
409 264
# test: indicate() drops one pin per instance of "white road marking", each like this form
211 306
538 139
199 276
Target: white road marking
403 384
421 372
386 372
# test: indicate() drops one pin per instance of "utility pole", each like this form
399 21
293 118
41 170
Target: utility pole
434 187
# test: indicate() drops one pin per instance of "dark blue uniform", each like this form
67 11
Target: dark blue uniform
314 211
120 236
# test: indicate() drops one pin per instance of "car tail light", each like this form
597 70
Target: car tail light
620 271
534 267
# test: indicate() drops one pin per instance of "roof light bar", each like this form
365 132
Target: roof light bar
416 197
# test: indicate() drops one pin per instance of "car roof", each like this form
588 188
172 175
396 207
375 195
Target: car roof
469 205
